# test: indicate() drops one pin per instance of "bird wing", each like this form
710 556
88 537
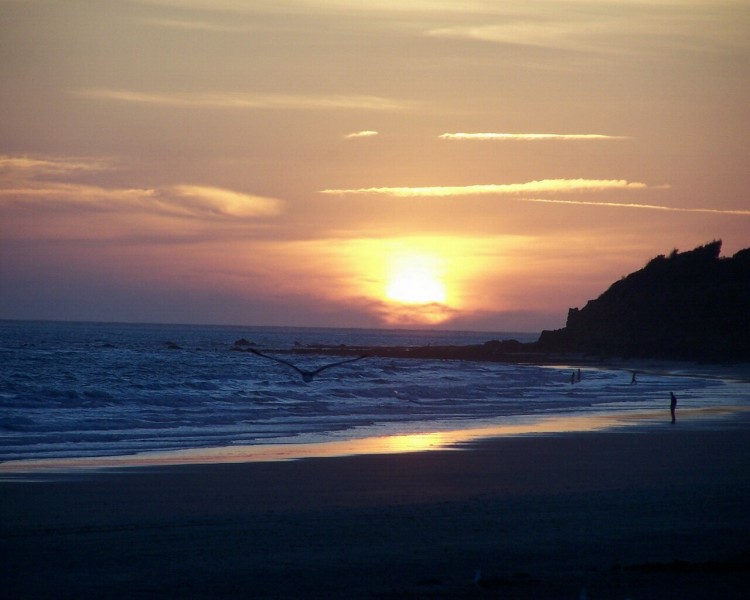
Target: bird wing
341 362
279 360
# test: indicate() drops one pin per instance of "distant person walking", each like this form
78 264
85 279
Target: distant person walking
633 379
672 404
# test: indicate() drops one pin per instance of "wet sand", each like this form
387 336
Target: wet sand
657 512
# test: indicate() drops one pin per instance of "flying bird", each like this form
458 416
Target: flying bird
307 376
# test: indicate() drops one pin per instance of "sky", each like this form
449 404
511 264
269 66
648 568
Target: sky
451 164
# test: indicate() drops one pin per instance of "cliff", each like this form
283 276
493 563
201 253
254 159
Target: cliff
690 305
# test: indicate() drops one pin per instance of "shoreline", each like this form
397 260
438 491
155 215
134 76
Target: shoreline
641 421
646 514
449 436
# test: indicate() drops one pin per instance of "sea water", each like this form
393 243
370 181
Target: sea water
73 390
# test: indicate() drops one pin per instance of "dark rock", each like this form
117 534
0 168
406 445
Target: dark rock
691 306
503 346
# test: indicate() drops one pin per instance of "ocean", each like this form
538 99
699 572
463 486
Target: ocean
81 390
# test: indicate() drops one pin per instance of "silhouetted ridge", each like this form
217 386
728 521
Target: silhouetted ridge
689 305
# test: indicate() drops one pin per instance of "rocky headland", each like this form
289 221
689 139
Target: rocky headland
691 305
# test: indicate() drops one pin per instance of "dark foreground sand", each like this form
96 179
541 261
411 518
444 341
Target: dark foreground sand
542 517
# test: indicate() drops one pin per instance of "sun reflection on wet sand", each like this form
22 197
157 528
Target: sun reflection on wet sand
449 440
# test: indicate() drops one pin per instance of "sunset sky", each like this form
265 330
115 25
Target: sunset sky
458 164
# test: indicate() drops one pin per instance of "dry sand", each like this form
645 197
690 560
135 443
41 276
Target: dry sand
542 517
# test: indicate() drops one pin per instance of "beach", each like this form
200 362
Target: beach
655 512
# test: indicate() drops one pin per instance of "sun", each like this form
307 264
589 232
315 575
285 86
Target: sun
416 279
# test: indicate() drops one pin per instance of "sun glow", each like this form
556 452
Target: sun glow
416 280
425 280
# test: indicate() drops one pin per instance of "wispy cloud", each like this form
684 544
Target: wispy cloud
563 35
182 201
337 6
194 25
361 134
544 185
221 202
530 137
245 100
34 166
717 211
536 25
47 182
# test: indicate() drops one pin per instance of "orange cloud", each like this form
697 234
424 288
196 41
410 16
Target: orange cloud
544 185
245 100
32 166
720 211
361 134
188 201
193 25
45 181
205 200
530 137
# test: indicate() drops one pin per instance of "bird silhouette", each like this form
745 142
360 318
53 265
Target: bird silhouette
307 375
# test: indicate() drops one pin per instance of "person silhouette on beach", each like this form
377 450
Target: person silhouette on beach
672 404
633 379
